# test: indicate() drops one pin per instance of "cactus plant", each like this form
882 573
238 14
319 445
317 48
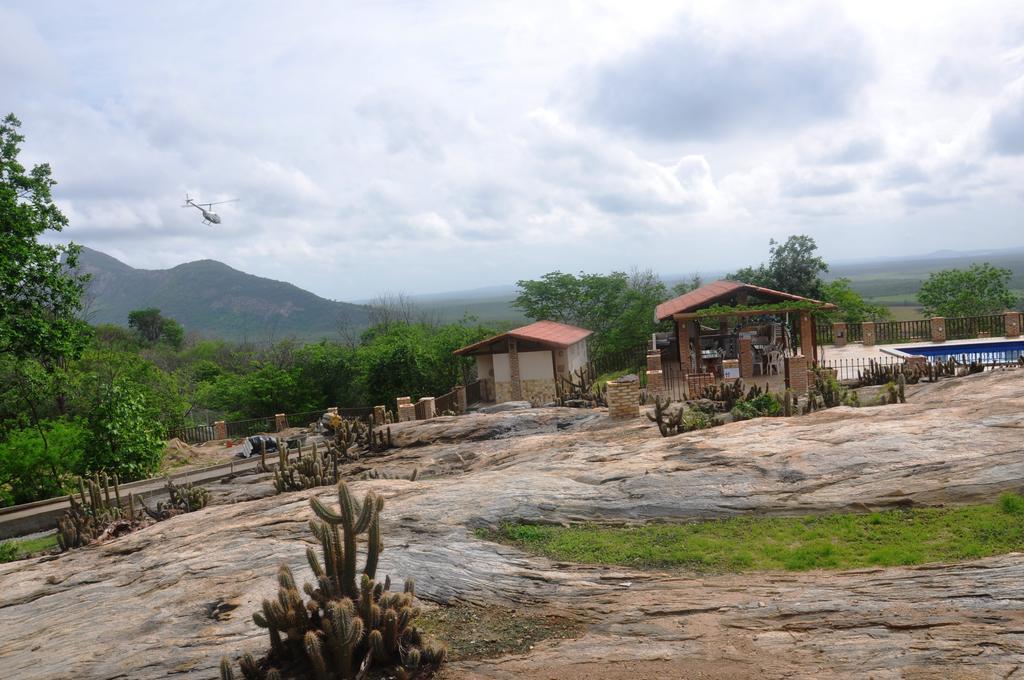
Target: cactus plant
351 622
668 420
95 512
182 499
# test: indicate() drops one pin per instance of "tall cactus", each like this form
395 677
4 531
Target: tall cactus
351 622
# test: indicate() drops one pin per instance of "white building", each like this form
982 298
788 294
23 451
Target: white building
524 363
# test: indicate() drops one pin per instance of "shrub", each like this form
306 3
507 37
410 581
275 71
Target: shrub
762 405
124 438
8 552
40 462
1012 503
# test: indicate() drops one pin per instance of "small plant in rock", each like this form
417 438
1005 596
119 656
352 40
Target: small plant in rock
673 421
765 404
8 552
351 623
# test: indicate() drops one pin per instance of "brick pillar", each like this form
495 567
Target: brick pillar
406 409
938 329
867 333
624 398
746 351
220 430
280 422
428 407
460 398
807 335
653 360
683 338
513 367
839 334
1012 320
796 374
379 415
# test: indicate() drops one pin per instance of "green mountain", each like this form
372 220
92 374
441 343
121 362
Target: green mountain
213 299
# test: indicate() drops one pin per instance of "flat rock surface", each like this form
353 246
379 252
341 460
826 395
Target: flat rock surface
172 598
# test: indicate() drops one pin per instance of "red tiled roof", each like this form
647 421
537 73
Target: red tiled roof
717 290
545 332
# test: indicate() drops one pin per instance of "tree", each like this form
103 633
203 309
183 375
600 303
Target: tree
978 291
618 307
124 438
852 307
152 327
693 283
40 296
147 323
792 268
41 461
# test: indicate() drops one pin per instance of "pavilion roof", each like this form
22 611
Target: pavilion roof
550 333
716 291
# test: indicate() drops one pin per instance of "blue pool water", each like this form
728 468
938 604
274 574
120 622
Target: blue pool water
1004 351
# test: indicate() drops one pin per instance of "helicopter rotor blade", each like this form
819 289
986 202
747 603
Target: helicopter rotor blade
230 200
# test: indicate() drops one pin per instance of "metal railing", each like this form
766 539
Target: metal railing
961 328
848 370
891 332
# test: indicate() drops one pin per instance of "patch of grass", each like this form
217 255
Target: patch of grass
839 541
483 632
17 549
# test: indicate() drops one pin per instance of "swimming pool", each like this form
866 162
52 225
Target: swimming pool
1002 351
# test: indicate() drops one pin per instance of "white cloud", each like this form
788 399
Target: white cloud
474 144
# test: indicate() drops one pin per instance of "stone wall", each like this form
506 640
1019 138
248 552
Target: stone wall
938 329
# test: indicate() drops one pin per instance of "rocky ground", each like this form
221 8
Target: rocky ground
173 598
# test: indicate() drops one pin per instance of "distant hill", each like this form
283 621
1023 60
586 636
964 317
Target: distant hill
213 299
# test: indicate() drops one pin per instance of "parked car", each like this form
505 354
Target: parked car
251 446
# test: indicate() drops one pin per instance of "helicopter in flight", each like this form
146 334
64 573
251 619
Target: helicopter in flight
209 217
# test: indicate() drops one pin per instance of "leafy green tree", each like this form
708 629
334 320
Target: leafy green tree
618 307
852 307
793 267
172 333
40 296
123 436
40 461
977 291
693 283
152 327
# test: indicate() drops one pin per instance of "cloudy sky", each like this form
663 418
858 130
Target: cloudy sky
425 147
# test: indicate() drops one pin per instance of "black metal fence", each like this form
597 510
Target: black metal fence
823 334
960 328
634 360
246 428
891 332
194 434
848 370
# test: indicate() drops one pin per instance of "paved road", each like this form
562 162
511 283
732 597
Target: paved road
24 519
